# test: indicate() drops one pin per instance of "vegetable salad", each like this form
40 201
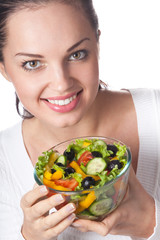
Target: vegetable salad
85 166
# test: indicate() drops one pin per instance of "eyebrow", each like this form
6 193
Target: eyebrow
29 55
40 56
77 44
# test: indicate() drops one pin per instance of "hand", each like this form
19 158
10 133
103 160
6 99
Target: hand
38 225
134 217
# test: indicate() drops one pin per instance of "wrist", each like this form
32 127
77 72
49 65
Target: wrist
150 219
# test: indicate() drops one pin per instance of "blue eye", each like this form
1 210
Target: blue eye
79 55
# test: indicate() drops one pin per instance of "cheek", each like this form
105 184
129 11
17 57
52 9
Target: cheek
18 79
88 74
92 75
25 86
26 90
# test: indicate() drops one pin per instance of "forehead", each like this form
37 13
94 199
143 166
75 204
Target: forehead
54 23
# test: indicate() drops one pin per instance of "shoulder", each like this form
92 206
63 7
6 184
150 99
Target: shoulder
119 119
117 103
118 114
111 96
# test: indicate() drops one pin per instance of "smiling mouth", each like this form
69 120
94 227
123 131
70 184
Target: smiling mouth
62 102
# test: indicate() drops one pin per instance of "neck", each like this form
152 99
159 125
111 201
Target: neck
87 126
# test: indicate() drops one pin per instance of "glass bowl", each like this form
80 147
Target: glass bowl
94 203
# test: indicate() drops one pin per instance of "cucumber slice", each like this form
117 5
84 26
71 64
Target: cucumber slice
111 191
105 193
101 207
62 159
86 215
80 153
95 165
100 143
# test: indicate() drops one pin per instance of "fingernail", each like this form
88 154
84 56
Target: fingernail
71 217
77 225
58 198
43 189
70 207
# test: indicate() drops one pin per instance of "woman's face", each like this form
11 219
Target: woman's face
51 57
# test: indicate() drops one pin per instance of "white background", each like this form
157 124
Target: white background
129 50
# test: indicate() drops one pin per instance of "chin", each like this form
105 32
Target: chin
67 121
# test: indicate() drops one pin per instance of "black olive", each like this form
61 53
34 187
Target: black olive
68 170
70 155
96 154
113 163
88 182
53 170
59 164
113 148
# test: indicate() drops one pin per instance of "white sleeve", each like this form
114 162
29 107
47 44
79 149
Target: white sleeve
11 216
147 104
156 234
10 222
20 237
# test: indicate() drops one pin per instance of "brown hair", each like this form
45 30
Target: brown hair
8 7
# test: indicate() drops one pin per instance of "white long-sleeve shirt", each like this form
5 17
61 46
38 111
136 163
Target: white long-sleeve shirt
16 170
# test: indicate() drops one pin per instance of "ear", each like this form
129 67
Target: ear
3 71
98 34
98 45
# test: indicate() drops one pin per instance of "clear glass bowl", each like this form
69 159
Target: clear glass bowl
106 198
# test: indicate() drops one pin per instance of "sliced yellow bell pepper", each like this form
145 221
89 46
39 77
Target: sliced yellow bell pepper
96 178
51 184
86 144
79 209
114 158
48 175
57 175
77 168
88 200
53 157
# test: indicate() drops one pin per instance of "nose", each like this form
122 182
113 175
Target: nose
60 79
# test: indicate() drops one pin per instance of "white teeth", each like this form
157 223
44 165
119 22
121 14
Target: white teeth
66 101
62 102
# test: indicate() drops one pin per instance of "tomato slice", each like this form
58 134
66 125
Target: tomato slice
67 183
85 158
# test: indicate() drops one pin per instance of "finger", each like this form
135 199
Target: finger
32 196
55 218
56 230
88 225
41 208
104 227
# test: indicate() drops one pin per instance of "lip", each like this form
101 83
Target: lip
64 108
63 97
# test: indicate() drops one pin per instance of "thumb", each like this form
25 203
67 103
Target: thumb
35 185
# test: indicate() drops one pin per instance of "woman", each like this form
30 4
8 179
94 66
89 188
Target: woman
49 51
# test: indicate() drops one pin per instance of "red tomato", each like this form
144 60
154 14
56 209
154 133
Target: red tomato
85 158
67 183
